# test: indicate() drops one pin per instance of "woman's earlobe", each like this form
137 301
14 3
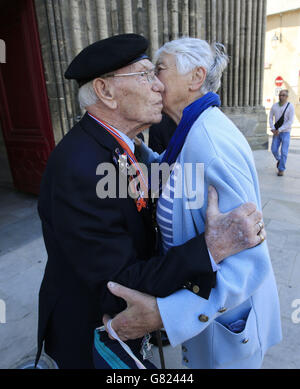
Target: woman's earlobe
199 76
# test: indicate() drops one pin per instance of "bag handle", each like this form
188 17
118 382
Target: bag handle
114 335
286 108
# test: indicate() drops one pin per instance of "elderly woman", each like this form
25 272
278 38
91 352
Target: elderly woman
241 318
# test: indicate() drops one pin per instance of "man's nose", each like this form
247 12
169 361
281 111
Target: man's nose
157 85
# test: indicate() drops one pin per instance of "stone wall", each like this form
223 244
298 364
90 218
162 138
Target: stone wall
252 122
67 26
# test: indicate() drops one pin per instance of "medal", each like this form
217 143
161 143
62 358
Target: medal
140 189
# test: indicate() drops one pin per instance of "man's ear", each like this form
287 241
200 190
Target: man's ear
105 92
198 78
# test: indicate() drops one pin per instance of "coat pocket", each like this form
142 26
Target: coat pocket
229 346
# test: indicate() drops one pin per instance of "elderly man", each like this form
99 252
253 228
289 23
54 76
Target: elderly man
90 239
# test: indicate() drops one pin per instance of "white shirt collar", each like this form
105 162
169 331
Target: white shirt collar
126 139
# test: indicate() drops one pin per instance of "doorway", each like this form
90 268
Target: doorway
24 111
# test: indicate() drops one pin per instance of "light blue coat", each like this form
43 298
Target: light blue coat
246 286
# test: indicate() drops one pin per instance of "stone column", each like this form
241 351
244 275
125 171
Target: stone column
102 19
165 21
67 26
242 33
185 18
247 53
127 16
224 87
262 51
174 19
153 26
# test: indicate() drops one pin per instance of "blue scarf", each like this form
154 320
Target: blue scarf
189 116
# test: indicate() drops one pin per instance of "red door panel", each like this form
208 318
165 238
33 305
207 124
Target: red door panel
24 109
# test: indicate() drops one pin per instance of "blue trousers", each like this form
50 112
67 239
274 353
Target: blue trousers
282 139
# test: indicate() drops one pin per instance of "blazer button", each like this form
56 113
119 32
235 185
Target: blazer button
245 340
185 360
196 289
223 309
203 318
184 349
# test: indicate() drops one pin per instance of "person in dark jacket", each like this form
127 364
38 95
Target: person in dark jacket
93 233
161 133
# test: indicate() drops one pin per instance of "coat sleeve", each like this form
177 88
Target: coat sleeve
98 247
149 156
238 277
271 119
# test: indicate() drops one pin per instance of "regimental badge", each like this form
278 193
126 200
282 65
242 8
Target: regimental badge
141 203
138 195
116 156
120 160
123 164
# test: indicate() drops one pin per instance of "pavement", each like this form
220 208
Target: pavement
23 259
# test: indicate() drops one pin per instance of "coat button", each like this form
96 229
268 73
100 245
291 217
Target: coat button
203 318
245 340
223 309
184 349
185 360
196 289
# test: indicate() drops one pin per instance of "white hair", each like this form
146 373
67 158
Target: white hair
87 95
191 53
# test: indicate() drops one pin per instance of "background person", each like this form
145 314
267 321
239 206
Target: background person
281 131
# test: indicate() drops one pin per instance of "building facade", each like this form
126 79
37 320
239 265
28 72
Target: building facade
64 27
282 56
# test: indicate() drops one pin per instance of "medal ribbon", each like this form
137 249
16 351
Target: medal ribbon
141 202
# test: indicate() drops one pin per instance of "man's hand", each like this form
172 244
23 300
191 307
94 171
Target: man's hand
275 132
137 141
229 233
140 317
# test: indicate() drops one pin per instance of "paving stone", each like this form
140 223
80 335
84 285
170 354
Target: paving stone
294 280
23 257
283 262
285 355
281 210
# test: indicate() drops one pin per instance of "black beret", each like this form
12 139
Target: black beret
106 56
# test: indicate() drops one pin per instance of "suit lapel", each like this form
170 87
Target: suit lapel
101 136
104 139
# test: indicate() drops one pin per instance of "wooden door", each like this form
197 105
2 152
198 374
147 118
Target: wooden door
24 109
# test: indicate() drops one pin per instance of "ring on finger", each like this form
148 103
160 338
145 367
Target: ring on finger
261 226
262 238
